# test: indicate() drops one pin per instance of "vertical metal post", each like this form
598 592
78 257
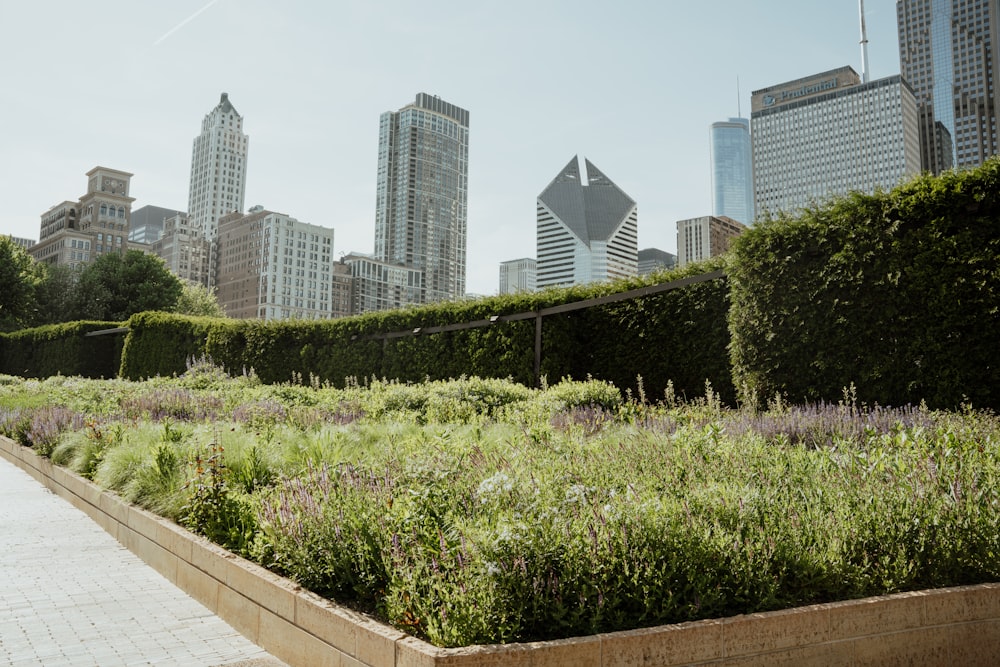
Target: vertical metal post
538 350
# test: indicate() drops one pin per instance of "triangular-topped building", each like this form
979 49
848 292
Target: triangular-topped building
586 231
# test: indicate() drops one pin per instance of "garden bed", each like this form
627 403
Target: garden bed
481 512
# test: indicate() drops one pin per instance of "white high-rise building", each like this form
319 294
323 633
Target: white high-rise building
830 134
518 275
272 266
586 231
218 168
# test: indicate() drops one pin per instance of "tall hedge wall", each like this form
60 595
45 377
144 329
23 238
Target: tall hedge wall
897 293
679 336
62 349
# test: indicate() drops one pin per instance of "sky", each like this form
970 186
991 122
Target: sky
631 85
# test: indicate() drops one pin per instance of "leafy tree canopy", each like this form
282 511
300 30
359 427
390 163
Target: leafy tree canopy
19 278
113 287
196 299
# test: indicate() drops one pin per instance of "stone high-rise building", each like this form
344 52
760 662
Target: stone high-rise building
218 168
73 233
272 266
518 275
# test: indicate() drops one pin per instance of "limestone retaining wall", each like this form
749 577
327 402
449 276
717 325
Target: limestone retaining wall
955 626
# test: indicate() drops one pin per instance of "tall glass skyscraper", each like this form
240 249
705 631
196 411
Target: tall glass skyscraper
948 56
732 170
422 194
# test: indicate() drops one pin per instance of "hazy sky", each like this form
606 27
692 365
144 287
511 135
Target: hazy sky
633 85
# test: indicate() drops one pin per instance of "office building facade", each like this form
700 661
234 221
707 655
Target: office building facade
146 225
218 168
183 248
654 259
272 266
378 285
948 54
422 195
518 275
830 134
704 237
586 232
732 170
73 233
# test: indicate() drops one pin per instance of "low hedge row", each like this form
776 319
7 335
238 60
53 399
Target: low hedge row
62 349
655 337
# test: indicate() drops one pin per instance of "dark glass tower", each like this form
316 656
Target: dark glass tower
948 55
422 195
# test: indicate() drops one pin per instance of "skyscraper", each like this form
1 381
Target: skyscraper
948 53
218 168
518 275
422 194
830 134
586 232
732 170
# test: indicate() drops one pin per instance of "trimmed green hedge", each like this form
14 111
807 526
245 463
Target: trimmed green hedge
655 337
62 349
897 293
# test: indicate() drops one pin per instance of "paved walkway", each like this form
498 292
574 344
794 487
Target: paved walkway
70 594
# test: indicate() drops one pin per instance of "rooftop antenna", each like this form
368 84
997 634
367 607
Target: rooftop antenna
739 106
864 43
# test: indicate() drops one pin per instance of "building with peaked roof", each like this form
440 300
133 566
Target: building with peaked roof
949 54
732 170
587 229
218 168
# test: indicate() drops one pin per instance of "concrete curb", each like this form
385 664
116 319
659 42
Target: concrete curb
954 626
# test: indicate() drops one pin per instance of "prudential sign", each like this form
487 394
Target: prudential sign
802 91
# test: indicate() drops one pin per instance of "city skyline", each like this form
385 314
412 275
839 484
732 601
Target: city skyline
634 88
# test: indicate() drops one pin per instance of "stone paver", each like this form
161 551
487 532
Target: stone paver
71 595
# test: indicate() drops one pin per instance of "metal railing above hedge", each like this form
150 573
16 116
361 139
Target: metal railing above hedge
537 315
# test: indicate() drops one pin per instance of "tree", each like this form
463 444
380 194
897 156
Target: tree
56 294
113 287
19 279
196 299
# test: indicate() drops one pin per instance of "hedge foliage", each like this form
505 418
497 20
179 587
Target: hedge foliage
897 293
677 337
62 349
